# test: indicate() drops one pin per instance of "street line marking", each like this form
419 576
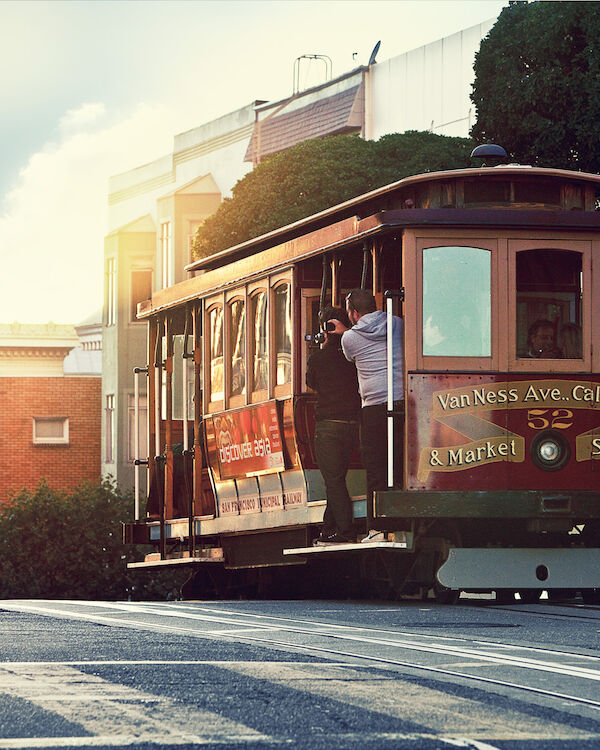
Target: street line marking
104 708
429 648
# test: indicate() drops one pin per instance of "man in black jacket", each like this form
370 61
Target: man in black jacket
334 379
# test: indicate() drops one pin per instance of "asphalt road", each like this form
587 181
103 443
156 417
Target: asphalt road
298 674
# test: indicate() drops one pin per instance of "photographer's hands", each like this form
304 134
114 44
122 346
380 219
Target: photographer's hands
339 328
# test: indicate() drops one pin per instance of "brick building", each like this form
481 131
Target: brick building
51 420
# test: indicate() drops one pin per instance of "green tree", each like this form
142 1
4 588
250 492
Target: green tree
69 545
317 174
537 84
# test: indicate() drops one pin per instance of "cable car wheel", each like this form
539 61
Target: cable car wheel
384 574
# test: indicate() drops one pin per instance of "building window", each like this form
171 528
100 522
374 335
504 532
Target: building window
50 430
457 302
141 289
111 292
142 432
109 424
166 253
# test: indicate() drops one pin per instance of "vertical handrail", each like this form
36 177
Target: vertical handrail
137 461
169 460
136 444
187 453
158 461
157 388
391 414
365 266
198 406
185 356
324 280
390 391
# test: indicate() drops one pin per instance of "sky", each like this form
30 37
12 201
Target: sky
92 88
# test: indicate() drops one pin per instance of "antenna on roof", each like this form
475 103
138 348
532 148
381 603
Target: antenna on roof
372 59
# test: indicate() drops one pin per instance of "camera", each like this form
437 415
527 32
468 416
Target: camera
317 339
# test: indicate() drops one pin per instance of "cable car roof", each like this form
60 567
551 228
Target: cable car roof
351 207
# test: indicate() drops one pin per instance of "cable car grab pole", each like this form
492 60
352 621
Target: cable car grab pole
137 461
390 391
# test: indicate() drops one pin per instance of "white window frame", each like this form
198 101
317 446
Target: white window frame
166 253
109 417
42 440
142 435
111 291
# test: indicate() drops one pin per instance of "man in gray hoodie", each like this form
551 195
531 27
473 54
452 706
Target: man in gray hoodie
365 344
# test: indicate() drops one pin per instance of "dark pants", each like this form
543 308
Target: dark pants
374 449
334 445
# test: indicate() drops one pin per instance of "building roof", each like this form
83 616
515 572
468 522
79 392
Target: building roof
342 112
82 361
46 335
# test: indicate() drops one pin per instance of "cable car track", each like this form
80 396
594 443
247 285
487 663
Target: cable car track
523 609
477 653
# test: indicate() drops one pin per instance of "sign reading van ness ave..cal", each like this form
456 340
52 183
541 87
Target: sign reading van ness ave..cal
473 412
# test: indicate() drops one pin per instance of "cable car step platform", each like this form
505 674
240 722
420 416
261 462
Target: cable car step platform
213 555
350 547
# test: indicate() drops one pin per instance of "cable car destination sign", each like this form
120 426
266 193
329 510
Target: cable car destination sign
550 404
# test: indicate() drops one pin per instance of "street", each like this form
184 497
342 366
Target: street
311 674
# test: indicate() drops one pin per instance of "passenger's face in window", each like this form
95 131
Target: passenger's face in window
542 341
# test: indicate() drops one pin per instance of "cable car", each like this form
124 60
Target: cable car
495 272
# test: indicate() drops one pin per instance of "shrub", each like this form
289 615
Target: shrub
56 544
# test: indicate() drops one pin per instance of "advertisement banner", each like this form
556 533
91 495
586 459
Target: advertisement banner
248 441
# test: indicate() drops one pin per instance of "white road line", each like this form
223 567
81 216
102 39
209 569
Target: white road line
171 610
126 740
161 663
429 648
470 744
437 670
165 741
440 711
107 709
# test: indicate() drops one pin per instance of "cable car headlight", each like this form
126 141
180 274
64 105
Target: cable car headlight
550 450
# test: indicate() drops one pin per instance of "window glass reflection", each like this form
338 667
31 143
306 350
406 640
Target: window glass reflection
260 363
457 302
237 336
215 322
283 334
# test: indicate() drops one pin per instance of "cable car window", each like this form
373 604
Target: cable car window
492 192
549 311
215 344
283 334
260 361
237 337
457 310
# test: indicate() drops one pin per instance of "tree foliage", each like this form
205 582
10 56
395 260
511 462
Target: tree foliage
69 545
537 84
320 173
